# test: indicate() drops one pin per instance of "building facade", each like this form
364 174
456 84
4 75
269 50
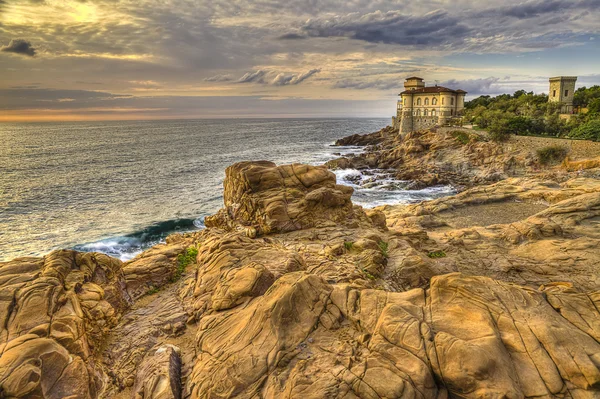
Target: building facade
422 107
562 91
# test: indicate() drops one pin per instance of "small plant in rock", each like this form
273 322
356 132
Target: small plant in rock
552 154
183 260
461 137
383 247
152 290
437 254
369 275
348 245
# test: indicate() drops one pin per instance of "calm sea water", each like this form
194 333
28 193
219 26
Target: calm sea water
119 187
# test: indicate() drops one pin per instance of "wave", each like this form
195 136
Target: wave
130 245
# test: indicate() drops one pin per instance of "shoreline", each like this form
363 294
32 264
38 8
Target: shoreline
293 289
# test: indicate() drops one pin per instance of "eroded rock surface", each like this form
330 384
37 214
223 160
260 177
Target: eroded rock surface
296 292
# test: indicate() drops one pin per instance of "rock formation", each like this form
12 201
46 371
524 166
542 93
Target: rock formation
296 292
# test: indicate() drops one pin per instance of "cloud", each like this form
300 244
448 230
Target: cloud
19 46
219 78
283 79
291 36
276 78
393 27
475 86
378 84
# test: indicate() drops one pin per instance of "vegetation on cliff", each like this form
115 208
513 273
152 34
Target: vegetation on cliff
526 113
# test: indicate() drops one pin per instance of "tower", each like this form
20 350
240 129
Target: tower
562 91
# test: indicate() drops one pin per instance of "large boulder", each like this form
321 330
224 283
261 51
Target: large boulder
265 198
54 313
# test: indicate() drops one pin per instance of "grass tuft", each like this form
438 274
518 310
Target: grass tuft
461 137
437 254
348 245
183 260
383 247
552 154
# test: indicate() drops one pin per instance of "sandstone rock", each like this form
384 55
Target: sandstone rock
274 198
55 312
159 375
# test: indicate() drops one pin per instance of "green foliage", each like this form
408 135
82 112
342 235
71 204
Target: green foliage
552 154
588 131
584 96
348 245
594 106
383 247
152 290
437 254
369 275
183 260
461 137
525 113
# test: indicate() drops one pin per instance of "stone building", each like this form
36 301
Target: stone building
422 107
562 91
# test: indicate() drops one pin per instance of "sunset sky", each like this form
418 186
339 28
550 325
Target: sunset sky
147 59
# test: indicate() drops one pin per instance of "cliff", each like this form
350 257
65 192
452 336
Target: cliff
293 291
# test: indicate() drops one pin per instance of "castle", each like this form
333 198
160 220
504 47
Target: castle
562 91
422 107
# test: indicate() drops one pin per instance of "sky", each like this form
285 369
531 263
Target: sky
169 59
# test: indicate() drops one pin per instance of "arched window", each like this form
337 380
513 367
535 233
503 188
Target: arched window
418 112
433 112
452 101
426 112
426 101
405 101
418 101
434 101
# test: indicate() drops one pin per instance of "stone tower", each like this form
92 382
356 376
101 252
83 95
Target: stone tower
562 91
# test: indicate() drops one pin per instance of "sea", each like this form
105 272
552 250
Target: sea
121 187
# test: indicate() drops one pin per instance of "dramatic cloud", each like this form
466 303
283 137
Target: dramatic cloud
312 50
276 79
475 86
19 46
219 78
378 84
392 27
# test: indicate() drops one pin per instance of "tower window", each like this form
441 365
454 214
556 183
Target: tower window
452 101
566 93
554 93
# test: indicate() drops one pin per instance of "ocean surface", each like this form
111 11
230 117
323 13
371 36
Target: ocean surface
120 187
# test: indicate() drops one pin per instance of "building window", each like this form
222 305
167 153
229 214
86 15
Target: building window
566 93
451 112
433 112
434 101
426 101
405 101
426 113
443 100
418 101
554 93
452 101
418 112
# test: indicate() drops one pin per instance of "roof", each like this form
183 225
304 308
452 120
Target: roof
433 89
413 78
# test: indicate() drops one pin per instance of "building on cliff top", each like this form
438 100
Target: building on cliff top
422 107
562 91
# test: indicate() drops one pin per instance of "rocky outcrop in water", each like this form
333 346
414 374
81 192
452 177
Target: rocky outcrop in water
296 292
449 156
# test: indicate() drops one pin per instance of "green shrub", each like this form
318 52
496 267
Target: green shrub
152 290
437 254
588 131
183 260
348 245
552 154
461 137
383 246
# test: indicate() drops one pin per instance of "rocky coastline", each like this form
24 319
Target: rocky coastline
294 291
